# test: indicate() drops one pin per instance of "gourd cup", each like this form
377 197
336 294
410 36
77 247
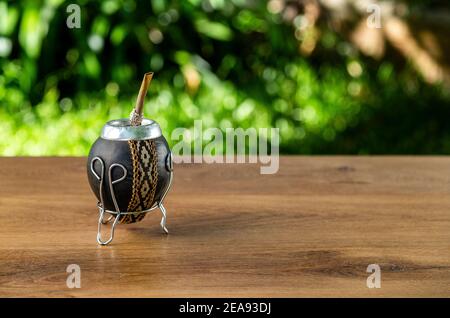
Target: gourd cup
130 171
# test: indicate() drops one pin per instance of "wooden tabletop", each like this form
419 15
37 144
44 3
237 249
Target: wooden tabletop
309 230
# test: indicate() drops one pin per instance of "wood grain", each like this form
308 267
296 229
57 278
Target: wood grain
309 230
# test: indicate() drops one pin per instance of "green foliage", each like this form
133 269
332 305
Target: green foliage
229 63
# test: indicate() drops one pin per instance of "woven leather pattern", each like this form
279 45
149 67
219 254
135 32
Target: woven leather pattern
145 178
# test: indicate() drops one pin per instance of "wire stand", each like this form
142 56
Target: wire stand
115 215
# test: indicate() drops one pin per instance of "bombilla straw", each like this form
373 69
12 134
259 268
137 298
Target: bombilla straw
137 113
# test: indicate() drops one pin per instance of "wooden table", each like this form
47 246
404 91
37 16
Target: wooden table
309 230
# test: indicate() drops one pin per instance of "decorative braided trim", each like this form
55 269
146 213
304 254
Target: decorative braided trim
145 178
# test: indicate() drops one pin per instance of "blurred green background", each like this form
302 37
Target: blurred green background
314 69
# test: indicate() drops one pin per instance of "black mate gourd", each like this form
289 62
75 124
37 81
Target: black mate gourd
130 169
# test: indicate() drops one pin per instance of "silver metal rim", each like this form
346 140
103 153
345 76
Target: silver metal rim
121 129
